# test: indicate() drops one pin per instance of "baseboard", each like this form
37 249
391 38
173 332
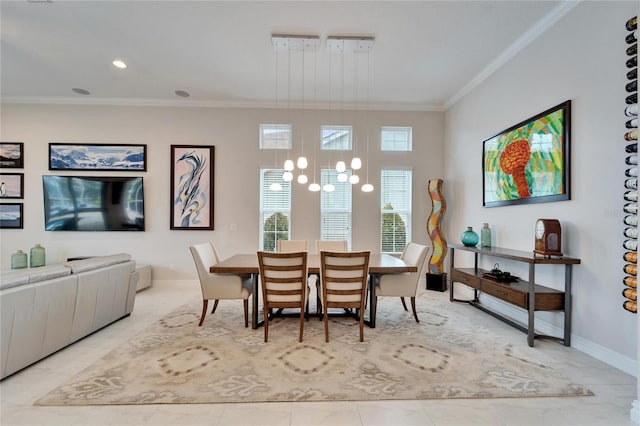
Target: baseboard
614 359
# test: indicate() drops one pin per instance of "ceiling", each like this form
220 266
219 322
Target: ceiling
426 54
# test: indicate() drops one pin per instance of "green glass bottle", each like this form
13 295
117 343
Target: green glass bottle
19 260
37 256
485 235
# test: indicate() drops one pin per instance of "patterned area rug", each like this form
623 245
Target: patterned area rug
446 355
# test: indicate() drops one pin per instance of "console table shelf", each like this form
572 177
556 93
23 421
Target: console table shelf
524 294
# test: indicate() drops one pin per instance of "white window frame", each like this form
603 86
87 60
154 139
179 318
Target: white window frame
340 202
398 193
268 210
326 145
278 143
404 145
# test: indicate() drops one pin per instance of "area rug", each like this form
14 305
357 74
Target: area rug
446 355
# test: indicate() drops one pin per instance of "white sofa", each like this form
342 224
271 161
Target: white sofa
45 309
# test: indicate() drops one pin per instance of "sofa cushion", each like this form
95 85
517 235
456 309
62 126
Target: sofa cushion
91 263
49 272
15 278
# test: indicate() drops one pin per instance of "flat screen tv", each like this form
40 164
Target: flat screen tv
93 203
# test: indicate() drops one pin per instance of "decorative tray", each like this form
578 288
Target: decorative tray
501 277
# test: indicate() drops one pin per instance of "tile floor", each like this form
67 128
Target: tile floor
615 391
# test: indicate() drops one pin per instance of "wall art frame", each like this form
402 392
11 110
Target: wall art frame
192 189
11 185
11 216
98 157
530 161
11 155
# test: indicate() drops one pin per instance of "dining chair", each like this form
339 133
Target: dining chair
344 284
219 286
326 245
291 245
403 284
284 284
331 245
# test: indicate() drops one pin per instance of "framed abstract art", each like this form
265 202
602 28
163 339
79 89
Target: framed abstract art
530 161
192 168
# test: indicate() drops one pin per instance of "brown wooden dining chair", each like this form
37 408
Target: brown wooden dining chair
284 284
326 245
344 284
219 286
291 245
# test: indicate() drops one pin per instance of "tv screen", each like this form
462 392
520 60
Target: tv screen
90 203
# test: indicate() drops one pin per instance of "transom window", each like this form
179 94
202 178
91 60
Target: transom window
336 138
275 209
395 203
275 136
395 138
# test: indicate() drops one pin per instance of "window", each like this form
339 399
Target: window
395 201
275 136
335 208
275 209
336 138
395 139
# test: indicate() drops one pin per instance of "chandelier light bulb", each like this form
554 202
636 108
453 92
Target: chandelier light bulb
302 162
275 186
287 176
356 163
328 187
314 187
367 187
342 177
288 165
302 179
353 179
340 166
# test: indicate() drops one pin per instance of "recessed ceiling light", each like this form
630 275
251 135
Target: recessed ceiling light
81 91
182 93
120 64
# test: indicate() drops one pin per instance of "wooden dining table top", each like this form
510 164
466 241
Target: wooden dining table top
248 264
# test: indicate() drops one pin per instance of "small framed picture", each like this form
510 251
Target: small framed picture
11 155
11 185
11 216
92 156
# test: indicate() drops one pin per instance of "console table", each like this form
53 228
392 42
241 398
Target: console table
526 295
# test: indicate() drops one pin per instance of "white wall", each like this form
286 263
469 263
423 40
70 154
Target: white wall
582 58
234 133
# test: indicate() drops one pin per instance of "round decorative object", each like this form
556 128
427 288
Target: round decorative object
37 256
469 237
19 260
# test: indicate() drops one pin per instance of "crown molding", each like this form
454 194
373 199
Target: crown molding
192 103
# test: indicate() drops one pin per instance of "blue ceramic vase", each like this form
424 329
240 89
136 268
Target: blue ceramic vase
469 237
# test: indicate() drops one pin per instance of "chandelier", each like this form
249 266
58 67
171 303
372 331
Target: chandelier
336 46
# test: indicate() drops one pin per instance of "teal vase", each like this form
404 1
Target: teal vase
469 237
19 260
37 256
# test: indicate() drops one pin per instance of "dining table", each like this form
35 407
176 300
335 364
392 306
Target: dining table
379 264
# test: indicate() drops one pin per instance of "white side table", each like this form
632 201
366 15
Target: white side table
144 281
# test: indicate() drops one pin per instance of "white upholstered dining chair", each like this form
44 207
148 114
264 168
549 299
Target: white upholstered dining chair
219 286
404 284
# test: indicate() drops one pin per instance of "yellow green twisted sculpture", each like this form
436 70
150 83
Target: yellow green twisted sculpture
438 208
